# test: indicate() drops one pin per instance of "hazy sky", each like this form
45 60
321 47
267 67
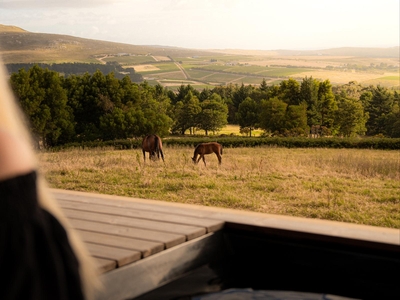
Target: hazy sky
214 24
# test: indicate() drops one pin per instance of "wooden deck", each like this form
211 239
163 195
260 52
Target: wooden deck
140 244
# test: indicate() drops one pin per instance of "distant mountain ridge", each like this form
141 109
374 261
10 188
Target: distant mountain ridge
20 46
390 52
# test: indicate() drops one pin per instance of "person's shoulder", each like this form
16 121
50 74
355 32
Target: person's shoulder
15 156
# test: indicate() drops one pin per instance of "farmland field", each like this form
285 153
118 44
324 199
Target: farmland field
349 185
160 68
162 77
248 69
128 60
339 65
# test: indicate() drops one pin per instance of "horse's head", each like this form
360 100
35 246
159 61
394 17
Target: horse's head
194 160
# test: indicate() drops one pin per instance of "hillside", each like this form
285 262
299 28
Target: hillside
21 46
173 66
391 52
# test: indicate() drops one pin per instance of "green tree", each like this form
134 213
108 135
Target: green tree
393 118
44 101
289 91
272 115
309 94
263 86
213 115
326 105
186 114
247 115
379 108
89 101
183 91
351 90
226 94
205 94
113 124
350 117
295 123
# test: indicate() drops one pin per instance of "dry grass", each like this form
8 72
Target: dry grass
144 68
341 77
356 186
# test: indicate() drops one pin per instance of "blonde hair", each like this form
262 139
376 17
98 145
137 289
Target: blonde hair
14 122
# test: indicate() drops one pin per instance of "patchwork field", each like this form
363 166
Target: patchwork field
207 67
246 69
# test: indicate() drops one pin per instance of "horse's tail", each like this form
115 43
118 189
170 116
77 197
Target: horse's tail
158 147
221 150
156 144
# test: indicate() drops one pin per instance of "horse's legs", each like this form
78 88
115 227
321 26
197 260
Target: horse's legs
204 160
144 155
219 158
152 155
162 155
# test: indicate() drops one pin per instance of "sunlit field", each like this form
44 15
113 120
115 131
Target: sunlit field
349 185
229 129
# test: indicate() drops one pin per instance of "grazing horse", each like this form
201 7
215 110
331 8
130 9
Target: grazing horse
152 144
207 148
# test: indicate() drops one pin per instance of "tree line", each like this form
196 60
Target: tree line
80 68
90 107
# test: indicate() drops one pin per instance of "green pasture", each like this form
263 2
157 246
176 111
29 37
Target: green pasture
278 72
130 60
248 80
152 82
199 74
178 75
388 82
173 85
192 60
229 129
221 77
162 68
219 58
246 69
256 70
187 65
214 67
397 78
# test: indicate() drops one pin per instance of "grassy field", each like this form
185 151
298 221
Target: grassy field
349 185
229 129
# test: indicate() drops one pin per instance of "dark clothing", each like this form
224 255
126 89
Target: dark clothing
36 259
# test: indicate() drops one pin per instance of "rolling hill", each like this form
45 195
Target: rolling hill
173 66
21 46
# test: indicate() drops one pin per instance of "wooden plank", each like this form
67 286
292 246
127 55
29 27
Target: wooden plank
145 247
354 232
168 239
134 203
209 224
190 232
156 270
105 265
121 256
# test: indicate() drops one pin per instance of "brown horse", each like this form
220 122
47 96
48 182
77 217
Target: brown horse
152 144
207 148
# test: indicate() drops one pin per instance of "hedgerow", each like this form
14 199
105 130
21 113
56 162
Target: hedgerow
235 142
